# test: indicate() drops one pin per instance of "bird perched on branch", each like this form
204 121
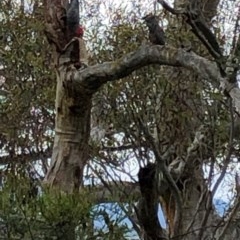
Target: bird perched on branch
75 49
156 33
73 27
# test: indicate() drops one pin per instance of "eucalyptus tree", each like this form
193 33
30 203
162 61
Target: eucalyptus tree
171 110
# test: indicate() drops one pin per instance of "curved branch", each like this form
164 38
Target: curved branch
95 76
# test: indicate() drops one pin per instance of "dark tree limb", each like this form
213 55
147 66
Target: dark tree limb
147 211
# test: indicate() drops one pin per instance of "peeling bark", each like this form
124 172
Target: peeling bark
70 151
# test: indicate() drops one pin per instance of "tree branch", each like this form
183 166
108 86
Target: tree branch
95 76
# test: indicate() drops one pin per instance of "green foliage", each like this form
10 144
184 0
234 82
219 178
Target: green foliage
26 76
51 214
46 216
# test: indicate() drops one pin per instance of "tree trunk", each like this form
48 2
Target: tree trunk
70 151
73 107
